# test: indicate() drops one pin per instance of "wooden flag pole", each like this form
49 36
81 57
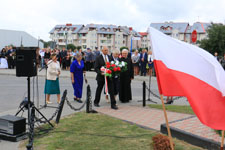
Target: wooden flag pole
222 142
167 123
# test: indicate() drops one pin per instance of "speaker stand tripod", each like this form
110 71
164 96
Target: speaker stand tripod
31 114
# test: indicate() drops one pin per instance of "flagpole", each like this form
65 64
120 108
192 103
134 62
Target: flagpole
222 142
167 123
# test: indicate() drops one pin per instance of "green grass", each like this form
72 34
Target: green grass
83 131
174 108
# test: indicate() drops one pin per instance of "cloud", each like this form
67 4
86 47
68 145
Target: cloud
38 17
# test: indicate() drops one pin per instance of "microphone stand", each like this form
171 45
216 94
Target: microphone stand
46 67
149 91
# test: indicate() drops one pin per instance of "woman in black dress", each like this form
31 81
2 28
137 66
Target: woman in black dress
125 94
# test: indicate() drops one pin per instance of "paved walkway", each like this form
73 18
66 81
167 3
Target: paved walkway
153 118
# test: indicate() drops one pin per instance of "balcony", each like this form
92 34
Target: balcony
61 43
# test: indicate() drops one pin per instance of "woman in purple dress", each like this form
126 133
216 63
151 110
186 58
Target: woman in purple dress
77 71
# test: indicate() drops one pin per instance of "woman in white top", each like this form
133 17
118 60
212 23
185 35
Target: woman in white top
52 81
136 60
150 62
3 62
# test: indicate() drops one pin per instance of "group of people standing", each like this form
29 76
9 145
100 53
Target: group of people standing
143 62
8 56
53 72
117 85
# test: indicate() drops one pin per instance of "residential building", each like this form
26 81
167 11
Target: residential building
66 34
18 38
144 42
182 31
94 35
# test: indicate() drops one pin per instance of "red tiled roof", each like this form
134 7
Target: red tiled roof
143 33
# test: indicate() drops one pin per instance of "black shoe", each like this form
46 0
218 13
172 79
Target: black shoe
114 107
96 105
79 101
169 102
75 99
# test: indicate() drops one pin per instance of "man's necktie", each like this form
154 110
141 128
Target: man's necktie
105 59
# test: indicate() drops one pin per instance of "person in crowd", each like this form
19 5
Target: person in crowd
223 62
47 55
10 57
74 53
63 55
3 52
68 59
83 56
52 81
3 62
57 52
76 72
125 94
169 100
96 53
143 62
115 79
150 63
38 57
7 48
135 60
100 61
42 54
89 59
216 56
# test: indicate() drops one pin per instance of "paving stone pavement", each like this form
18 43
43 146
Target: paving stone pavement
153 118
194 126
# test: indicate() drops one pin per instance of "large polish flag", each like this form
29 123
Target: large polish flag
186 70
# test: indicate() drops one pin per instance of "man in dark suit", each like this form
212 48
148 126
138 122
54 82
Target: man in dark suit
63 55
99 62
144 60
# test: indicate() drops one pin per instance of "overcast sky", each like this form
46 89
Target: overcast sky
38 17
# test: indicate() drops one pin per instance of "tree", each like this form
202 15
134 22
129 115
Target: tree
124 47
78 47
46 44
216 39
71 46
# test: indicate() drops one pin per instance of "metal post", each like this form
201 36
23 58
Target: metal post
87 104
144 95
30 144
61 106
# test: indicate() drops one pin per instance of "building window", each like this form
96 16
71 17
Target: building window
84 46
103 41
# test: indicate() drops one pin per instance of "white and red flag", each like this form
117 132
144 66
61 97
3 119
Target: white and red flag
186 70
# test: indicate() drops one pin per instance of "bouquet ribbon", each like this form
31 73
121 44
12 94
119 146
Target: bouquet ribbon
106 83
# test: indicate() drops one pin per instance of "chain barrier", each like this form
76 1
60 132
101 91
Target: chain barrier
73 108
157 96
51 118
